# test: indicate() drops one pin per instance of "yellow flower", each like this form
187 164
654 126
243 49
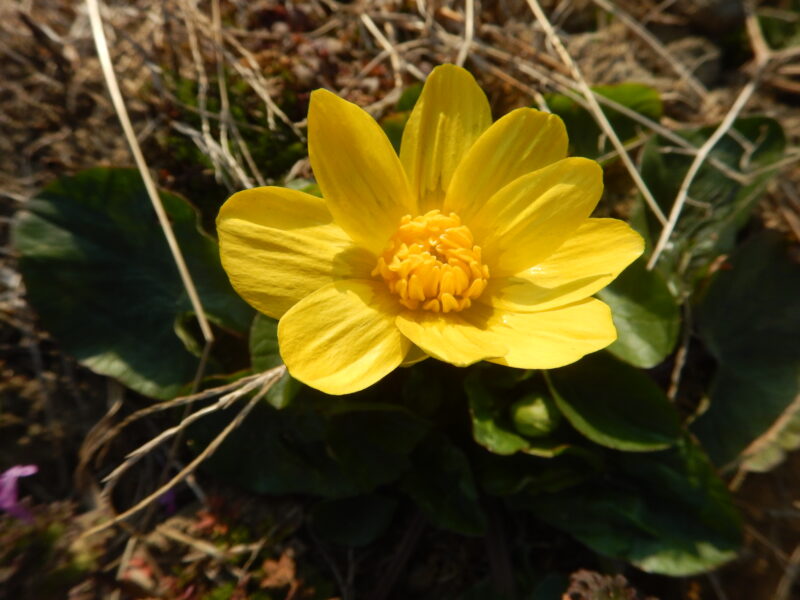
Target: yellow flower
474 244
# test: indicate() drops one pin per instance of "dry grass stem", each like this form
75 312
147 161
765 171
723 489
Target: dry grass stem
469 32
596 111
122 113
270 378
656 45
223 403
694 168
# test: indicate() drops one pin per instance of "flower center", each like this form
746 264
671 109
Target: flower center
432 263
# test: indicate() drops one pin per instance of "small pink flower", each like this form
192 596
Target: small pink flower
8 491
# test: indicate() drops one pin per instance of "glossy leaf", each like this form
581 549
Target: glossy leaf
373 446
98 272
665 512
442 486
265 354
750 322
275 452
614 404
646 316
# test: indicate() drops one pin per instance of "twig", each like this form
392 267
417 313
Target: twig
393 54
202 86
699 159
656 45
717 586
784 590
469 32
124 562
226 118
122 113
400 559
566 88
224 402
159 407
595 109
188 469
681 355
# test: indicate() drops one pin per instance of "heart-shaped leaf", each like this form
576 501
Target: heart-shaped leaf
614 404
99 273
646 316
665 512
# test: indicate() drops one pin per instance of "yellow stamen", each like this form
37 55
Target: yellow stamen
431 262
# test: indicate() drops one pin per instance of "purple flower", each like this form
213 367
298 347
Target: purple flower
8 491
169 501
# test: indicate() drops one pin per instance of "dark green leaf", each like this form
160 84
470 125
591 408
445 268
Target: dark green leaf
441 484
665 512
275 452
646 315
357 521
781 28
264 355
98 271
585 136
409 97
303 449
614 404
719 205
423 389
509 475
373 446
394 124
750 321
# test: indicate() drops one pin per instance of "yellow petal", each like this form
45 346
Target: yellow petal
342 338
552 338
357 170
586 263
450 338
279 245
415 355
521 142
452 111
527 220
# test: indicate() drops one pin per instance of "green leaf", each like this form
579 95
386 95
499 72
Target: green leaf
781 28
356 522
487 426
395 122
509 475
492 423
99 273
264 355
646 316
719 204
304 185
614 404
322 445
275 452
373 446
264 351
750 322
585 136
393 125
665 512
441 484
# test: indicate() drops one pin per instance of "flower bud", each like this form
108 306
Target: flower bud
535 415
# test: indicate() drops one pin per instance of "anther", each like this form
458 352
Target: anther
432 263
